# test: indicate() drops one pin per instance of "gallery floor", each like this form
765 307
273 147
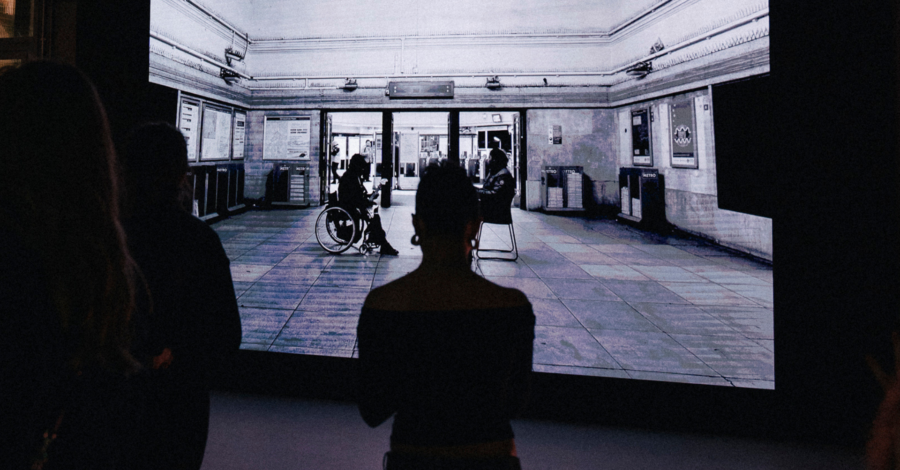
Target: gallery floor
610 300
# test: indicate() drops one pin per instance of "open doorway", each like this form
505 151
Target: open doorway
420 139
348 134
482 131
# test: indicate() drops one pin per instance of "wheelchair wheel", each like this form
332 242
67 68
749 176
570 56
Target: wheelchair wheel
335 230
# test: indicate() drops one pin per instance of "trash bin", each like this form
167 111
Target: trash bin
643 198
291 184
562 188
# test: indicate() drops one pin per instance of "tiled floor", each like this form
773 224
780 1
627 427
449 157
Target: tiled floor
610 300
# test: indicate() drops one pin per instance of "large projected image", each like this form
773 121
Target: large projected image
617 236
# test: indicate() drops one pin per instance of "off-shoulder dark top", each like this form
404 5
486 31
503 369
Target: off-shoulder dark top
451 377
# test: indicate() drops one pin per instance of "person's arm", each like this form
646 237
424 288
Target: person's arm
520 379
352 193
212 321
376 379
496 185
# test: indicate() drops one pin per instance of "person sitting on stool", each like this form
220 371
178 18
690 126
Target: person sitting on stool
353 195
499 184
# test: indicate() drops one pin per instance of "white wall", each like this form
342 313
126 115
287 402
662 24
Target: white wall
691 194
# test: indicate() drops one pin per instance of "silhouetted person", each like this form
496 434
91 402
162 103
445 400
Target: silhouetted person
445 351
195 327
369 153
66 278
352 194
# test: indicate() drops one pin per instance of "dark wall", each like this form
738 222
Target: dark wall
113 49
746 155
834 83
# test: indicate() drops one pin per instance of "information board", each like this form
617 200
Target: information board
239 135
216 132
684 142
189 123
442 89
286 138
640 137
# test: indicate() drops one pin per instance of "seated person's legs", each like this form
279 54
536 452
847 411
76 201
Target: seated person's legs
377 235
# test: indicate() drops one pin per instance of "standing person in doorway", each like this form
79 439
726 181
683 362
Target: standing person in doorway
445 351
195 326
335 152
369 153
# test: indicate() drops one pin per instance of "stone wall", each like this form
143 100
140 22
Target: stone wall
588 140
257 169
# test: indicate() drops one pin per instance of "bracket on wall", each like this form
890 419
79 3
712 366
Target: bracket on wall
640 70
229 76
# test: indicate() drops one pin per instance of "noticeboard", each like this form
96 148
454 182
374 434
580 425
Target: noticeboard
286 138
239 135
683 135
189 124
440 89
215 142
642 153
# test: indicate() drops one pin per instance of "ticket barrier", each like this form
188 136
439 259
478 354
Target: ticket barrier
217 189
642 193
290 184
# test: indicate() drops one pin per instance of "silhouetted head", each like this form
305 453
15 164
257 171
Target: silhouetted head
446 202
57 182
498 161
357 164
154 165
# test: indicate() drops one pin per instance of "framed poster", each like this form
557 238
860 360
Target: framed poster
555 135
286 138
429 143
215 143
189 123
239 135
642 154
683 135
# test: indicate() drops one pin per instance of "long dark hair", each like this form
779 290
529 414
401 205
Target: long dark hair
58 182
357 165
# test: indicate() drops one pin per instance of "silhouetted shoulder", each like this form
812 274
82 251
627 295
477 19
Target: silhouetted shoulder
422 293
391 296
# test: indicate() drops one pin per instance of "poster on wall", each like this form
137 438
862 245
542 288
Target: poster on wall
555 135
429 143
239 135
216 132
189 123
286 138
684 142
640 138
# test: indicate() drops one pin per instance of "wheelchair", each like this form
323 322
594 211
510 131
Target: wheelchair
339 228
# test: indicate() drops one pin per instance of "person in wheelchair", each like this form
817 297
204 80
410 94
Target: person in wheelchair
353 196
498 187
